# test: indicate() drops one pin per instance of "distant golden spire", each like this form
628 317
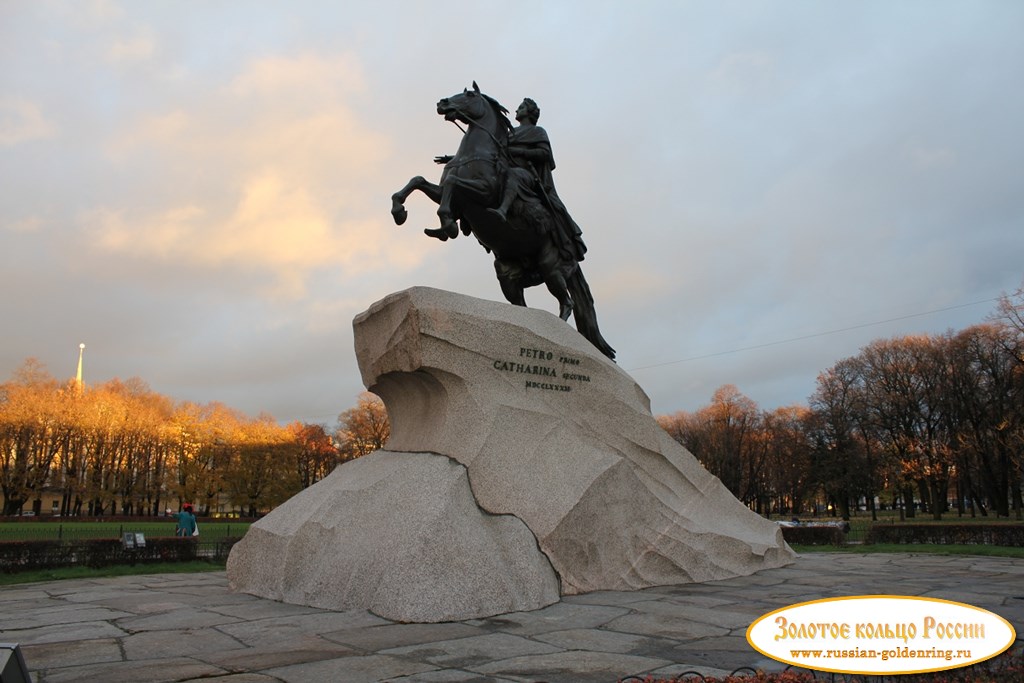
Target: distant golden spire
78 375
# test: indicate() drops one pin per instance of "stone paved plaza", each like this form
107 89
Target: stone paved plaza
190 627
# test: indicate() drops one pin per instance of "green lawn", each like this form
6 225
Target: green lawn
951 517
916 548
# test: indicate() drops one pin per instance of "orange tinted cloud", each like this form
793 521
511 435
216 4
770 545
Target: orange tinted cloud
274 172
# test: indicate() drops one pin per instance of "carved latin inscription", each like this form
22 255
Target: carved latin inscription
541 363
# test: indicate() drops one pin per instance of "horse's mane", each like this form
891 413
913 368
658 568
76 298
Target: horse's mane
500 110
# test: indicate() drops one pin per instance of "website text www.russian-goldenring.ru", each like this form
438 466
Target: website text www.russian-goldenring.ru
883 654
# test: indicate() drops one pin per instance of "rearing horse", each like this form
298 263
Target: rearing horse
526 247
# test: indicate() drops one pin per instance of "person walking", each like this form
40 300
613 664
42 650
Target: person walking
186 521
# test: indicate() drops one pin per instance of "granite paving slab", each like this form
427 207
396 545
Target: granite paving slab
185 641
180 618
15 617
665 626
62 633
191 628
452 676
75 653
297 650
554 618
397 635
599 640
236 678
464 653
573 666
262 609
366 669
258 632
150 671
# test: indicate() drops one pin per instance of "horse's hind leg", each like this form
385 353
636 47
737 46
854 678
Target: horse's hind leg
549 265
511 285
418 183
513 293
448 227
560 290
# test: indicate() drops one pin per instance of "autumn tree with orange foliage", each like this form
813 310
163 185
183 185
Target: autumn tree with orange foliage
788 477
34 425
317 455
726 438
921 419
364 428
918 421
120 448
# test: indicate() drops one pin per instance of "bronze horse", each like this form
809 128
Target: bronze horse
534 245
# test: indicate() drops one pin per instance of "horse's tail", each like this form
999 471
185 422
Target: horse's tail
585 314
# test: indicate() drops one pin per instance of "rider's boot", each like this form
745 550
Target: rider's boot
506 203
500 212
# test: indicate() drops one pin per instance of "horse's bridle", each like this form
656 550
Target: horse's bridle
501 144
493 159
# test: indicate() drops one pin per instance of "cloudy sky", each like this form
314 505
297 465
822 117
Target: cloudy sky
199 191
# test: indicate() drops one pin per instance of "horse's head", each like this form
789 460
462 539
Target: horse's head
472 107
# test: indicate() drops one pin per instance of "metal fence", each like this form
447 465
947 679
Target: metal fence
1006 533
22 556
73 531
43 545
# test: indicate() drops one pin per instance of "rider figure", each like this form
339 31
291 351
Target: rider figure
530 150
532 163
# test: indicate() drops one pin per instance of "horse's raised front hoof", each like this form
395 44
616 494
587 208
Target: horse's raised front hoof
448 227
398 212
436 232
565 311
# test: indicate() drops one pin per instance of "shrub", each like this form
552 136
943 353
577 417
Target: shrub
948 534
16 556
814 535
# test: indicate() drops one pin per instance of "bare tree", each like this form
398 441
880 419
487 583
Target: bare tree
787 473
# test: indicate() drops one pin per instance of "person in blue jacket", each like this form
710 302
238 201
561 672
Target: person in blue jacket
186 521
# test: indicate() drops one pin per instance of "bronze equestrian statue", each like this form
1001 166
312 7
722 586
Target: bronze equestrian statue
498 186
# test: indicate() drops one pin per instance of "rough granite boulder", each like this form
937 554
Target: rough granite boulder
398 534
546 452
